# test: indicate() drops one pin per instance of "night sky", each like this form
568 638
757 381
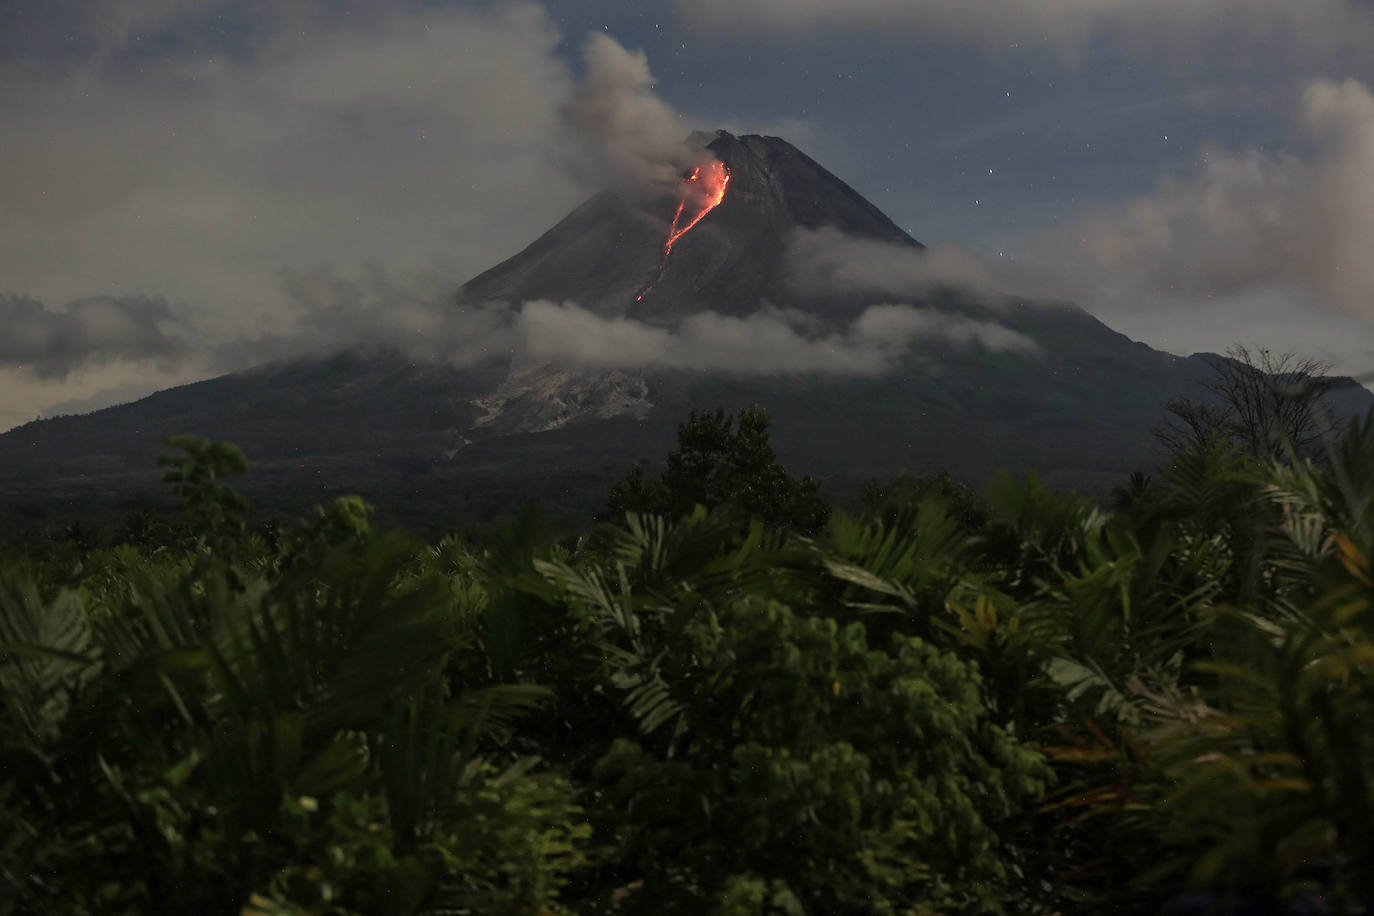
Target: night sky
187 187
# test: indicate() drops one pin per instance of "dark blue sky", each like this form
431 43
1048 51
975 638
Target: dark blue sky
1194 173
916 124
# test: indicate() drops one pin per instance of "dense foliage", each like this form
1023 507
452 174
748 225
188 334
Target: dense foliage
724 460
1009 702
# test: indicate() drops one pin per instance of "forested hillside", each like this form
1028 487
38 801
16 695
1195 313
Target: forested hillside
728 698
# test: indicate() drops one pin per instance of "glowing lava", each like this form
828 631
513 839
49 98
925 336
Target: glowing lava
703 191
709 189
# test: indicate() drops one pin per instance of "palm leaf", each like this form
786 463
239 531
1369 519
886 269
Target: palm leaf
46 655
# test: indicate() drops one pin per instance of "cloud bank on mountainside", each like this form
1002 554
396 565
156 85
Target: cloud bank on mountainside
767 342
826 260
418 318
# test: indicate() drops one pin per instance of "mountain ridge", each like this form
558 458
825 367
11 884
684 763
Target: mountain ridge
416 433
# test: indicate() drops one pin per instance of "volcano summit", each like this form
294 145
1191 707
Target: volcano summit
760 278
618 245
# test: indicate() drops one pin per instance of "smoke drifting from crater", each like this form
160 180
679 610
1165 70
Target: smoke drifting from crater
623 134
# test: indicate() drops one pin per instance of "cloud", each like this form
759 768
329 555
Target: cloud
414 314
766 342
24 396
51 343
306 140
826 260
1250 222
417 316
1305 25
91 32
389 135
880 324
106 397
1261 320
330 311
127 346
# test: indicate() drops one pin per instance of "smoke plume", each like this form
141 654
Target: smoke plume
624 134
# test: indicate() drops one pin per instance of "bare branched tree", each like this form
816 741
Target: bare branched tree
1191 423
1266 403
1273 399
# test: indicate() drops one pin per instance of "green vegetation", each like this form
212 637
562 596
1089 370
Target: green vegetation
726 700
724 460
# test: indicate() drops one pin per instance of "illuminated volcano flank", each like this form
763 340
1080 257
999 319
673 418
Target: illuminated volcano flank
704 189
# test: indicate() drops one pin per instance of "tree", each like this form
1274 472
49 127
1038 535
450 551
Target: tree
721 460
1265 403
270 735
886 501
783 760
1191 424
214 509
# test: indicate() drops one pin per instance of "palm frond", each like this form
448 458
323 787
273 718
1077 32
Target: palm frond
429 741
46 654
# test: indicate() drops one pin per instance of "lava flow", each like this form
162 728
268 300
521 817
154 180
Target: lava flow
704 190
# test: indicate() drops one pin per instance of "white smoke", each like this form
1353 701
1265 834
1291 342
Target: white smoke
623 133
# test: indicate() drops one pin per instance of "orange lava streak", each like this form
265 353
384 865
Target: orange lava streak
709 189
717 177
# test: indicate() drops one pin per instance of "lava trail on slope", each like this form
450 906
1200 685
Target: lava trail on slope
704 189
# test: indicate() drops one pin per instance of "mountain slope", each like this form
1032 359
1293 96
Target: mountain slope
446 445
607 251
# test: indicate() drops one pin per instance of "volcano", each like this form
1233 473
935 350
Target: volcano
609 254
439 447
